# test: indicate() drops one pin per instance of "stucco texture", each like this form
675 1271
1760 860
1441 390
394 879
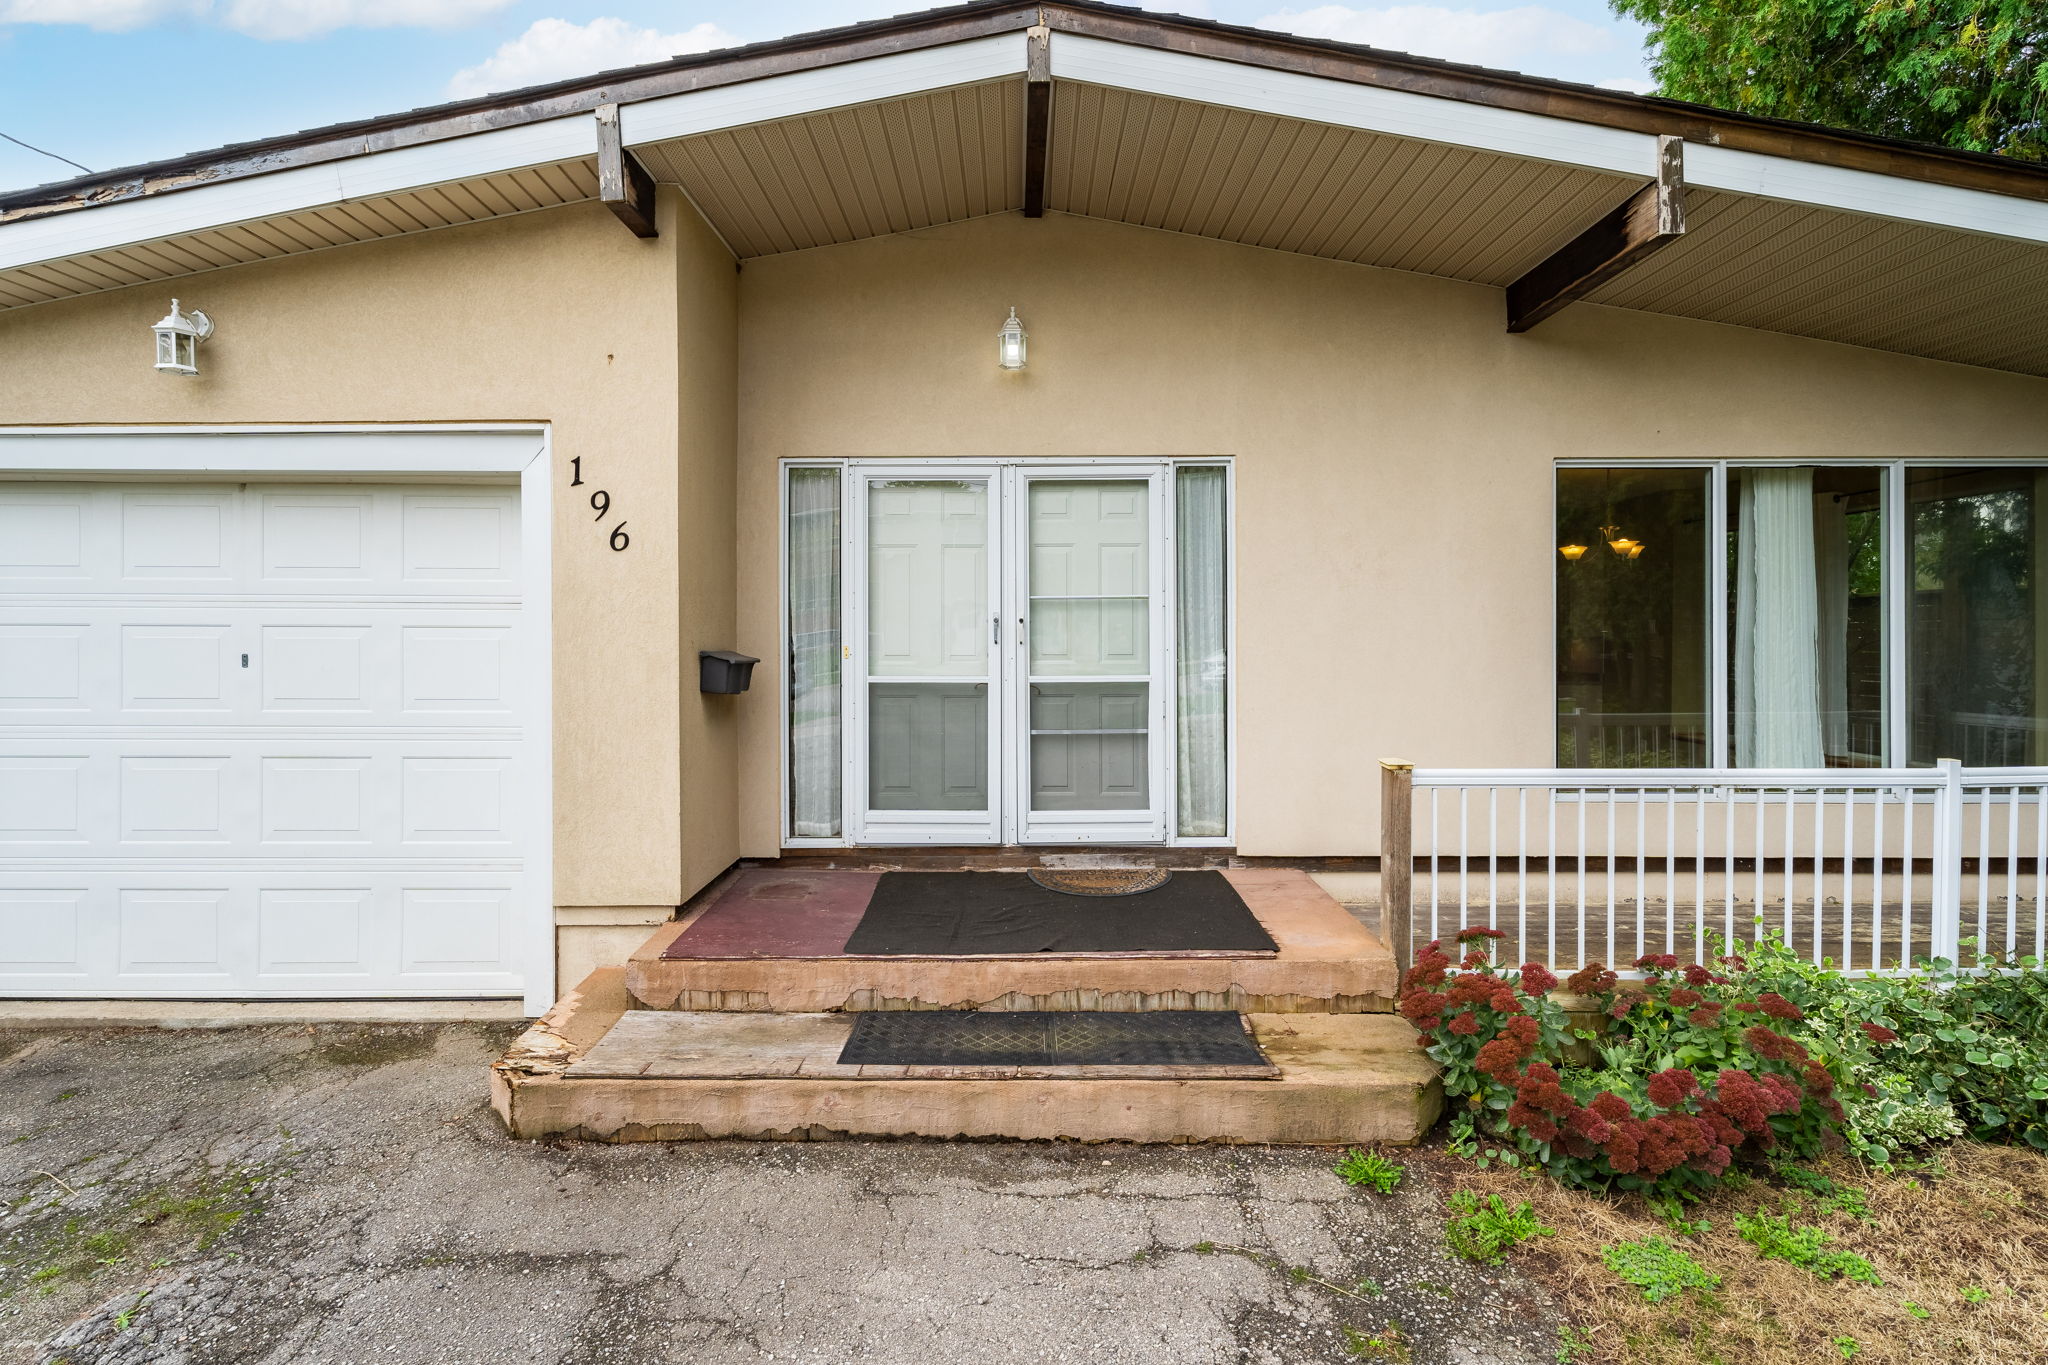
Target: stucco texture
1394 449
561 317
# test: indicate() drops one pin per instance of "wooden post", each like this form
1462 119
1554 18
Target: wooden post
1397 857
622 182
1651 219
1037 116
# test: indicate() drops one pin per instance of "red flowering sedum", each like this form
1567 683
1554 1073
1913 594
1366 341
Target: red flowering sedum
1721 1083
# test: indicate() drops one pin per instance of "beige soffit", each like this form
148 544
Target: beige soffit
362 220
1308 187
1845 277
845 174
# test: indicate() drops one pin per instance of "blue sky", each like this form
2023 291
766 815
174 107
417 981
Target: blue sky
114 82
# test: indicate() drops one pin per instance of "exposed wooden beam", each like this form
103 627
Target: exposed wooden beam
1652 218
622 182
1037 116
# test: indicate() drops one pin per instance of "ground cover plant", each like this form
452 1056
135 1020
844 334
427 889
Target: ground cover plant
1963 1257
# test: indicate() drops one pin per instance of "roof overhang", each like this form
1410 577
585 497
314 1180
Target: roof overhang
1179 124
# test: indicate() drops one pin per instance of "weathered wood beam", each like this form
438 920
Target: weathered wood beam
622 182
1652 218
1037 116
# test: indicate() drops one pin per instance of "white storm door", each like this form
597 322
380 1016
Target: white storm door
1090 700
923 760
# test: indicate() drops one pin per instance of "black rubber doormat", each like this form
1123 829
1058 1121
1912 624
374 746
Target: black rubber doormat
1006 914
1049 1038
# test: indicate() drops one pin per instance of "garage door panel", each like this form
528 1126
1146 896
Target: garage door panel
261 740
43 534
42 933
44 666
468 539
173 537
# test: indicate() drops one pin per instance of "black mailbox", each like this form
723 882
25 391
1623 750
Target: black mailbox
721 670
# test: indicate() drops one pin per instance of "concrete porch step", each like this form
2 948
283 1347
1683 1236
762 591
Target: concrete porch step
1327 963
1337 1078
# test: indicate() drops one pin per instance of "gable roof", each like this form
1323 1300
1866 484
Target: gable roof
1303 144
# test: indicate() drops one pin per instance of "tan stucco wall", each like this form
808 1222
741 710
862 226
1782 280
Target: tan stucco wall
563 317
1393 446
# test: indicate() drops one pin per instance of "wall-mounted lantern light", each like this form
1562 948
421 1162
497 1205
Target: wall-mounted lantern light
178 337
1010 344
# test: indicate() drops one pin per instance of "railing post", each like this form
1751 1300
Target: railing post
1945 928
1397 857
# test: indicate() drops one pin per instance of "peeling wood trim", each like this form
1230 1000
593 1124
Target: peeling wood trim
1652 218
1037 116
622 182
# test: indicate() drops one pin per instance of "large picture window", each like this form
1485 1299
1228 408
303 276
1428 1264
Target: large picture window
1800 616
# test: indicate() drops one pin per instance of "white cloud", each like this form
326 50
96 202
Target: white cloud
1514 38
554 49
110 16
257 18
307 18
1632 85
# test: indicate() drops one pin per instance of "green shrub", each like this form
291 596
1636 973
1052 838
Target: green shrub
1659 1269
1371 1170
1971 1053
1776 1239
1486 1232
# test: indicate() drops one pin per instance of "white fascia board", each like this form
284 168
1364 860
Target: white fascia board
153 218
331 450
1881 196
1318 99
826 87
1208 80
130 222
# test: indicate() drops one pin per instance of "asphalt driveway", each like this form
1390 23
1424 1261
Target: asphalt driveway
297 1196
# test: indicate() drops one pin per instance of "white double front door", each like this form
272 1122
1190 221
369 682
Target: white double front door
1007 640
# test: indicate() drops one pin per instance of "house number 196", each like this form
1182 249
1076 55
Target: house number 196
602 502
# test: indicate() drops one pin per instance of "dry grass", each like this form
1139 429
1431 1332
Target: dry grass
1981 1225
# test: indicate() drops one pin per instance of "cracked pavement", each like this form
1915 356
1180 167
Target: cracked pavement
343 1194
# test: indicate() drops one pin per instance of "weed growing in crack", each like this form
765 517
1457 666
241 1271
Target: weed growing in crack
1775 1239
1486 1232
1661 1270
1390 1345
1371 1170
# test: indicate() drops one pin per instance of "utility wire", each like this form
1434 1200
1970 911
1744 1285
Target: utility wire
40 152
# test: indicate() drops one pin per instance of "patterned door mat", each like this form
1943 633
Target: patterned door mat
1050 1038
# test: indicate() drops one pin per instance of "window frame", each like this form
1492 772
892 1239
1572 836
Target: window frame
1895 570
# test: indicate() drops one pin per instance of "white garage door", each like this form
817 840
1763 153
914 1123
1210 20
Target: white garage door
262 740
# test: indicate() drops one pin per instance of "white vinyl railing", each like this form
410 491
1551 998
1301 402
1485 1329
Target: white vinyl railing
1867 868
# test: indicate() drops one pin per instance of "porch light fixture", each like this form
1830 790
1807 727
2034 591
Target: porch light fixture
1010 344
178 337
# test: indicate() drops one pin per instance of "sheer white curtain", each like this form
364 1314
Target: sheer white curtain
1831 563
814 613
1777 623
1202 686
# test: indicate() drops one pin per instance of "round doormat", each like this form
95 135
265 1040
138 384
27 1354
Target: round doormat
1100 881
